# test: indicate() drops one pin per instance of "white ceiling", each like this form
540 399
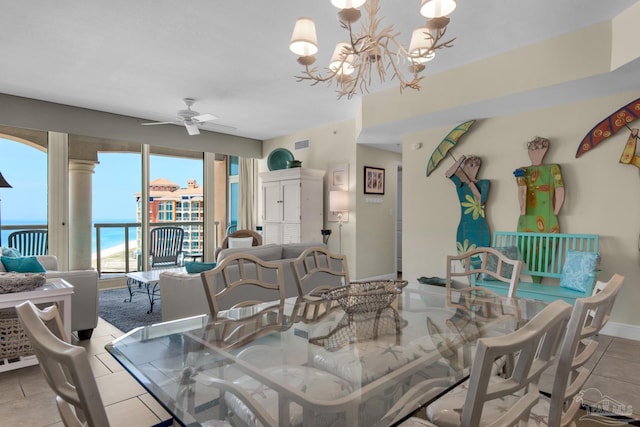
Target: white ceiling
140 58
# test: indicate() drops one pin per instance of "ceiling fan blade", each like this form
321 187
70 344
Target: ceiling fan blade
192 129
204 118
158 123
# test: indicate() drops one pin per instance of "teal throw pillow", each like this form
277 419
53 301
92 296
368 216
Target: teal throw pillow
24 264
10 252
510 252
579 270
198 267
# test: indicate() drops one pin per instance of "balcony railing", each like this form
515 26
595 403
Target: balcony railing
120 257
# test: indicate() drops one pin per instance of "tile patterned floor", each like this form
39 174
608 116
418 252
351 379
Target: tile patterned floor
25 398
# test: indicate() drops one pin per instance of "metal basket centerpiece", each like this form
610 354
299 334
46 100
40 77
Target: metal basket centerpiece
364 297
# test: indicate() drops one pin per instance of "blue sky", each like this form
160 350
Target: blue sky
115 182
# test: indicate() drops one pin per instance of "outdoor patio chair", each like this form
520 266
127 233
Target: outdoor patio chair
30 242
166 246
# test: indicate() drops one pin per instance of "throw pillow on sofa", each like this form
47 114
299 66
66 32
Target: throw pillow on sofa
240 242
10 252
193 267
25 264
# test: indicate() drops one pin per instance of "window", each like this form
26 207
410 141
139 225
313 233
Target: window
232 203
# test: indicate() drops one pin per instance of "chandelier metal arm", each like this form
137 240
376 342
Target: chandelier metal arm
380 50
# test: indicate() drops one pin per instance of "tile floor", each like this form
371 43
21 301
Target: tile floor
25 398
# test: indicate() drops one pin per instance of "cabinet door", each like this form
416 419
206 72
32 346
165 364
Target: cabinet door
272 233
291 232
291 199
272 202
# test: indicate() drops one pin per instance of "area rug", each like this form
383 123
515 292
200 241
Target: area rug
127 315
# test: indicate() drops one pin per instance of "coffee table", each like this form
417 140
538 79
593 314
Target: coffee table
54 290
150 281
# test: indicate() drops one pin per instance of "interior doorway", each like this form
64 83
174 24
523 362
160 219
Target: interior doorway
399 220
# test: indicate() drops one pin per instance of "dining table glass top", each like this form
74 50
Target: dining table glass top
310 362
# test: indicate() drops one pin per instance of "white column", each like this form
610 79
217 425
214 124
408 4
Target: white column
210 227
80 214
58 196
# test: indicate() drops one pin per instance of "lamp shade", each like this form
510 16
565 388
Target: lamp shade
341 60
420 46
4 183
437 8
338 201
347 4
304 41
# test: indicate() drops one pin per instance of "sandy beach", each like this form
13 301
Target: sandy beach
133 245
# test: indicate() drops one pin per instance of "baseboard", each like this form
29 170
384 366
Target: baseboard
622 330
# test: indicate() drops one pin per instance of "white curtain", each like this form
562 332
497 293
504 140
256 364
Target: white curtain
247 194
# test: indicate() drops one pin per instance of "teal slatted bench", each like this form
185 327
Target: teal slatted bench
546 263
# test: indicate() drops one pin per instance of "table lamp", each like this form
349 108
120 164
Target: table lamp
3 184
339 204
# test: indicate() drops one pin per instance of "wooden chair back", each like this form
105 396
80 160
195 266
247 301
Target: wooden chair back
65 367
317 270
30 242
533 347
244 280
476 262
587 319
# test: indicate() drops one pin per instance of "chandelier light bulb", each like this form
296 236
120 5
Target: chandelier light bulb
420 47
341 61
348 4
437 8
372 50
304 41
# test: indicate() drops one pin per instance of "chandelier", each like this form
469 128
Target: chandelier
373 49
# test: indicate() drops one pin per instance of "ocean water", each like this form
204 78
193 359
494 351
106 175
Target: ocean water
109 237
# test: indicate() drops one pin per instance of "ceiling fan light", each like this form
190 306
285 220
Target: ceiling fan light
341 61
437 8
348 4
304 41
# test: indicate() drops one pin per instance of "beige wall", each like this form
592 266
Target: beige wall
376 222
601 194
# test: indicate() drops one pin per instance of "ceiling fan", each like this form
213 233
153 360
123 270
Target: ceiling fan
189 118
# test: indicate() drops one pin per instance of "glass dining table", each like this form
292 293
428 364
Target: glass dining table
309 362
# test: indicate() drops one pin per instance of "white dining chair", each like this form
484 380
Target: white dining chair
65 367
588 318
241 280
533 348
317 269
560 408
488 262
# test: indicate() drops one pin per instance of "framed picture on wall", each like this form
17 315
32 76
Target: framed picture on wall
338 180
373 180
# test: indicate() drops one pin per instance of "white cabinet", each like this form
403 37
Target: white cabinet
292 205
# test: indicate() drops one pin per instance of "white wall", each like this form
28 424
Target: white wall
601 194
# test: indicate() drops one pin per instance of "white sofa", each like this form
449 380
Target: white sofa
182 294
84 301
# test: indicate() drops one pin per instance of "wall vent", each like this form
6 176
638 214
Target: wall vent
299 145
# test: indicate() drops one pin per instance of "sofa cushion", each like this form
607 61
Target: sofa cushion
26 264
293 250
265 252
